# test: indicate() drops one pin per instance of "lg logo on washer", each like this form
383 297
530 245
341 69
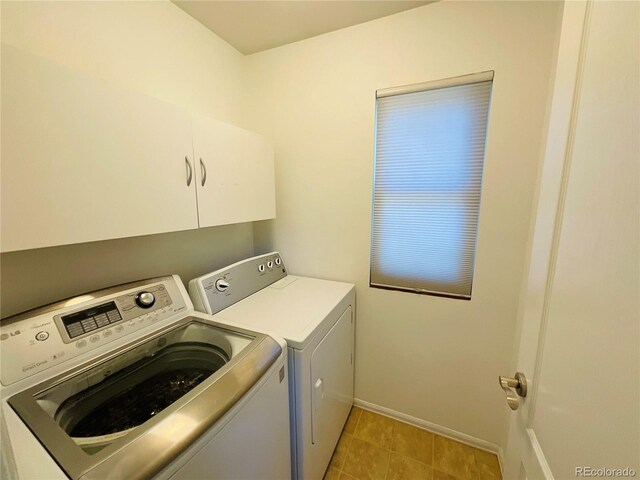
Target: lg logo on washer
4 336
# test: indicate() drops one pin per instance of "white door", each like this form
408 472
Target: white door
84 160
580 334
234 172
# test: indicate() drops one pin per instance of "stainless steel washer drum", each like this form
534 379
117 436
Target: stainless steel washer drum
130 397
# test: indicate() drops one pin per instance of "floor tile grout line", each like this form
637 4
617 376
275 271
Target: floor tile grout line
386 473
357 421
346 455
475 457
433 451
393 429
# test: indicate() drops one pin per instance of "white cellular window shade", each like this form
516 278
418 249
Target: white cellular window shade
430 144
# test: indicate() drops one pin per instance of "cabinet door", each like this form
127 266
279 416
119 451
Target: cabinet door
235 173
83 160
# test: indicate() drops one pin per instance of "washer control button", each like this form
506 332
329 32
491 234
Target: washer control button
42 336
221 284
270 264
261 268
145 299
278 261
94 338
81 343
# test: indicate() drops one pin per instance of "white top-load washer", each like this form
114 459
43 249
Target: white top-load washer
317 319
130 382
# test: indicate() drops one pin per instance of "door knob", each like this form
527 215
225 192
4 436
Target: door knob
514 387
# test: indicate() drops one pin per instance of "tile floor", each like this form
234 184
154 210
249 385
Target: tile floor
374 447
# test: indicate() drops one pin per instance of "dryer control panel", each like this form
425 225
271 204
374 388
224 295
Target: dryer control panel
48 336
221 289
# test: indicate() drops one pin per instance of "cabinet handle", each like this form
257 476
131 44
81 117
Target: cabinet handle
203 169
189 171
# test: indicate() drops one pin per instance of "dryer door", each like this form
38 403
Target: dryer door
332 384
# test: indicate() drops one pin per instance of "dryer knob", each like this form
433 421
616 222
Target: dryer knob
221 285
145 299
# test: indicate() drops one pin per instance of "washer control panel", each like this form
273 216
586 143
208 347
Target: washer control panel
85 321
122 308
48 336
220 289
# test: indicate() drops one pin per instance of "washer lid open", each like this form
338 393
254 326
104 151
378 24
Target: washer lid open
128 414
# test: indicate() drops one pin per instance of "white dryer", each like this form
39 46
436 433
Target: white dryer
317 320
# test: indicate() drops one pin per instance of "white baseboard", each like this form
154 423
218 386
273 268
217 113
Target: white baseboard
432 427
500 460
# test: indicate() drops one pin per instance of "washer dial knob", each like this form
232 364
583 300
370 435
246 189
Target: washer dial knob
145 299
221 284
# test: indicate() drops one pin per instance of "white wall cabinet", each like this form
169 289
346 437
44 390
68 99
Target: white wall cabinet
83 160
235 173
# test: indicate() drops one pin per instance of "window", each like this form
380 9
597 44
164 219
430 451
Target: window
429 156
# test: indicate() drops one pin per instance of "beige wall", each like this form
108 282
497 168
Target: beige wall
153 47
434 359
36 277
157 49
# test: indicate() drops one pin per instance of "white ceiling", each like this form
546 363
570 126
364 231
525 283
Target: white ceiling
253 26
